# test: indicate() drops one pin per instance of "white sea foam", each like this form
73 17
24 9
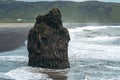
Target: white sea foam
86 28
115 26
87 48
25 73
94 51
104 38
97 39
99 78
26 42
112 67
2 75
14 58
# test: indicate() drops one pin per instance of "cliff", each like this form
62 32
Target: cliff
48 42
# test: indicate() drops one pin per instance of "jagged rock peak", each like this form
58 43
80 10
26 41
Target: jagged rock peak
53 18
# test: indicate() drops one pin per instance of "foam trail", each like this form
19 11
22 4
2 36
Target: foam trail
112 67
14 58
4 77
26 42
87 28
24 73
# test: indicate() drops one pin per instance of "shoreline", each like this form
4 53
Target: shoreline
13 36
15 25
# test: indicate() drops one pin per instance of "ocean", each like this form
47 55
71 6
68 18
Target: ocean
94 54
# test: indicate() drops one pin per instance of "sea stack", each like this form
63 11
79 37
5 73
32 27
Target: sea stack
48 42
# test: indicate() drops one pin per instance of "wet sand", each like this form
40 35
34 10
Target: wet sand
56 75
13 35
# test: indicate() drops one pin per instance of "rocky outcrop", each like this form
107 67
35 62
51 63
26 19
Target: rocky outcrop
48 42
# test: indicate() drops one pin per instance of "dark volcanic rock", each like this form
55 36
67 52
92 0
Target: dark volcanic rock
48 42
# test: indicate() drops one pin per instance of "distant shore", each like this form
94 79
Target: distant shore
15 25
12 25
13 35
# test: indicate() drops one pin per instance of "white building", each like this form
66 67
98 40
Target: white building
19 20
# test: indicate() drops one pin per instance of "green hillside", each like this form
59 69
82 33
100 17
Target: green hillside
82 12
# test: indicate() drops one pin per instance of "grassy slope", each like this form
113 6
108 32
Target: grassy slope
83 12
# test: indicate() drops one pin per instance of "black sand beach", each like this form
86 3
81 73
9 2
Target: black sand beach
13 35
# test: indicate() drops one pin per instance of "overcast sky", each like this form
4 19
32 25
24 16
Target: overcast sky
72 0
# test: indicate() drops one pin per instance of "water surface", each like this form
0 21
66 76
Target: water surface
94 54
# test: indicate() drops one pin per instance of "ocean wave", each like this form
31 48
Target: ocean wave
88 28
95 31
25 73
100 78
112 67
80 50
103 40
4 77
14 58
